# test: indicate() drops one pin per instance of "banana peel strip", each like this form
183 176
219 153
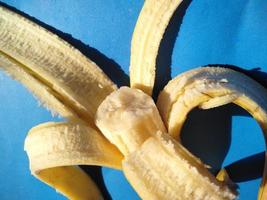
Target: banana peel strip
47 97
211 87
150 27
54 148
77 81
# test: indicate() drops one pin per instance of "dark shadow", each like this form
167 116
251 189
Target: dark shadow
109 66
95 173
247 169
207 134
163 61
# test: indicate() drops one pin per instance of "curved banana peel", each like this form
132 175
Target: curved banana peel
71 181
55 148
210 87
68 75
149 29
46 95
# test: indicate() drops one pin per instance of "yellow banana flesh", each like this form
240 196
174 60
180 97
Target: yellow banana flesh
78 82
54 148
121 117
148 32
211 87
130 120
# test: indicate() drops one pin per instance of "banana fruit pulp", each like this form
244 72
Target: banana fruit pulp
163 169
155 164
121 128
123 115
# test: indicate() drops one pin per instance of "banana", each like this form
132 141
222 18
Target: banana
70 77
155 165
121 117
53 149
210 87
149 29
71 85
163 169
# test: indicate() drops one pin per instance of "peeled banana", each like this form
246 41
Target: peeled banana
156 165
123 115
149 29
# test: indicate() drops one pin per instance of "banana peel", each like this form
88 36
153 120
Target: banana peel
71 77
55 149
70 85
148 32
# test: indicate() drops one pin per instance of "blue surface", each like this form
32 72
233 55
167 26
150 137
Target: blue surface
212 32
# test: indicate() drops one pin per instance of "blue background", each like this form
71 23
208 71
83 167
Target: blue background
211 32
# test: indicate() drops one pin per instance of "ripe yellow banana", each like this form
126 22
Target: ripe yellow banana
53 149
156 165
148 32
211 87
